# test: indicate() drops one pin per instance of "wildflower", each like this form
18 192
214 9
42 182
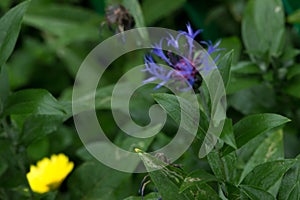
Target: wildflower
185 59
48 174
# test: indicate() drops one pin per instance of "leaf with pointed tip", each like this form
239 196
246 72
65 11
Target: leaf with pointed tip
290 185
256 193
167 179
252 126
266 175
224 66
270 149
10 25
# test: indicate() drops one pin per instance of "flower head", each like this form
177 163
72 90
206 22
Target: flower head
185 60
48 174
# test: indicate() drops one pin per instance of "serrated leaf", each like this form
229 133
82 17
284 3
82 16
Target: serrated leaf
266 175
10 25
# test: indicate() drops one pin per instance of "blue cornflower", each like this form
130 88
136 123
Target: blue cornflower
186 64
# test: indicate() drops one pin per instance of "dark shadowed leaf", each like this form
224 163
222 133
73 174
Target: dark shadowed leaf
4 87
10 25
294 17
159 9
33 101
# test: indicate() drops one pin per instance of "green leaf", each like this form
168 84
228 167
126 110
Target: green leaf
216 164
246 67
263 28
38 126
204 191
150 196
38 149
160 9
227 134
257 99
294 18
92 180
266 175
171 105
270 149
232 43
167 179
253 125
10 25
33 101
293 71
5 156
196 178
231 167
4 87
233 192
238 83
62 20
293 86
255 193
290 185
224 66
135 9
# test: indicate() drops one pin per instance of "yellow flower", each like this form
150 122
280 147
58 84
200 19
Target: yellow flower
48 174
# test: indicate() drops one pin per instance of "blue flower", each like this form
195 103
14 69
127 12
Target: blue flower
184 59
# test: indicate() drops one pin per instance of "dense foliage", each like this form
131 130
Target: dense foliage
42 45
